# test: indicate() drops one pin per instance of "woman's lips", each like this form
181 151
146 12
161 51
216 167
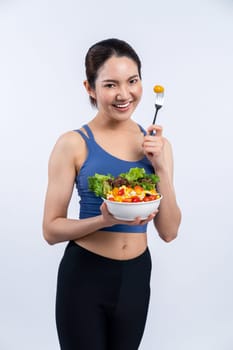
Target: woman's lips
122 106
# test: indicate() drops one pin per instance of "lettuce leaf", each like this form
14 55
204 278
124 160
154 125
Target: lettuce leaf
138 176
134 174
99 184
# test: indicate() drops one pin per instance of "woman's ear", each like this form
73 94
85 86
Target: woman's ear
90 91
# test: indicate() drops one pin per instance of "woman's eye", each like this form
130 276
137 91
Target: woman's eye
110 85
133 81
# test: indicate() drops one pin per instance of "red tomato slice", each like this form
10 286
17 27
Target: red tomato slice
149 198
153 197
146 199
136 199
121 191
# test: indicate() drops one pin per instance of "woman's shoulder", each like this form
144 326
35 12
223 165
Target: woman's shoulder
68 149
68 143
69 138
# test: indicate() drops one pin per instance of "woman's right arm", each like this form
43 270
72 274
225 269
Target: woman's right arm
61 176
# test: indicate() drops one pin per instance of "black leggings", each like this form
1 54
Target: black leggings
101 303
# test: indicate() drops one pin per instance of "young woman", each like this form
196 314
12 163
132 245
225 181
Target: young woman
103 286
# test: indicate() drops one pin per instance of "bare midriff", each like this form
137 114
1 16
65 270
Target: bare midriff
115 245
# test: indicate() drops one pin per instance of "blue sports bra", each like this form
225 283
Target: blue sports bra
102 162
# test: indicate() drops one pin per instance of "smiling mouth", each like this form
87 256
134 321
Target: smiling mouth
121 105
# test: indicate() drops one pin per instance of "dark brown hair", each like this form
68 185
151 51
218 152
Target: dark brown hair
101 52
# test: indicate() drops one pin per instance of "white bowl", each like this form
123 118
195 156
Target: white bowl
129 211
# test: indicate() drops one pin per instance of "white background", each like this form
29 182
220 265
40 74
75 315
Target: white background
186 46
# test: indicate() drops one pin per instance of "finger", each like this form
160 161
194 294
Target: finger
104 209
156 129
149 218
103 206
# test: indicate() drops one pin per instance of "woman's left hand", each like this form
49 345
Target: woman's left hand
154 146
110 220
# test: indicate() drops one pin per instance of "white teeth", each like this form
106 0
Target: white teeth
122 106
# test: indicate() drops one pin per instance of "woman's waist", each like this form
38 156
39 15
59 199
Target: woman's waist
115 245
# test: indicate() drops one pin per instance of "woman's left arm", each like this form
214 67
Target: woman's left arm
159 151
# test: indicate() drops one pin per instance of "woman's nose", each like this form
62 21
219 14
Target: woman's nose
123 93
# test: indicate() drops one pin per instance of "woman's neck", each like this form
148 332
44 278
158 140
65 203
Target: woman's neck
99 122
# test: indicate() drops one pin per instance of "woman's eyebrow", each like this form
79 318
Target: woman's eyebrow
109 80
115 81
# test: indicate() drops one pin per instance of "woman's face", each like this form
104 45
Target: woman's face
118 88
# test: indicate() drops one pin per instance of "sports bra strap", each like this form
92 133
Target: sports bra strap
84 136
88 130
91 136
142 129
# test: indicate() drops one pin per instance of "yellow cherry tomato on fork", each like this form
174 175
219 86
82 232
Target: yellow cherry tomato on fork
158 89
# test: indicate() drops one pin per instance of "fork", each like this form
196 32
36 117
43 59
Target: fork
159 98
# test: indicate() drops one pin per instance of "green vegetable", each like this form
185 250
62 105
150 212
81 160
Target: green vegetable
134 174
138 176
101 184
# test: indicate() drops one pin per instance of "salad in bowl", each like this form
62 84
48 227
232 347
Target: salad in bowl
129 194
